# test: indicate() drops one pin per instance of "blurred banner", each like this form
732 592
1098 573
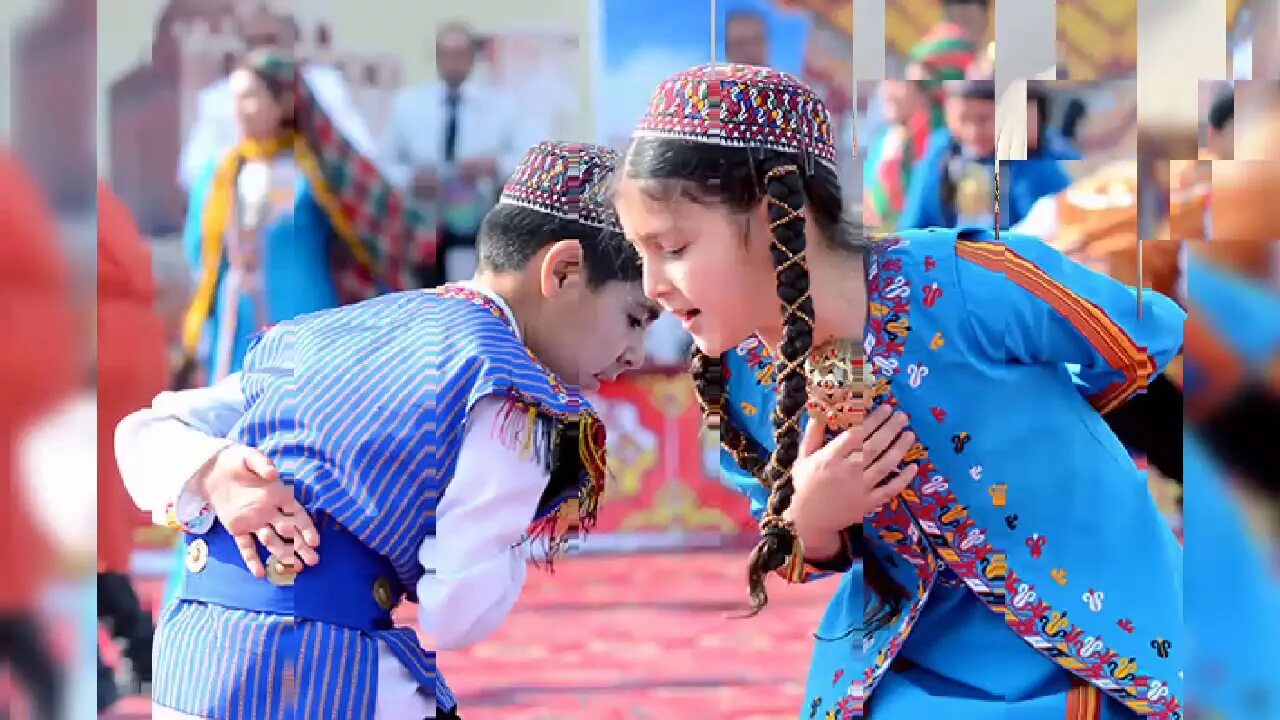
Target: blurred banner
665 489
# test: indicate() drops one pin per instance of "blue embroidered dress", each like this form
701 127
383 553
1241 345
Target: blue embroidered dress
298 242
1029 544
363 409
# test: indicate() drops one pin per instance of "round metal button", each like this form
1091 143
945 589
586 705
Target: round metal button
382 593
197 555
280 573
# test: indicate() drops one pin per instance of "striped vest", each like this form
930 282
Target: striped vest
364 408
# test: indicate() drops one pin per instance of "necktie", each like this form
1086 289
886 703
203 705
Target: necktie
451 125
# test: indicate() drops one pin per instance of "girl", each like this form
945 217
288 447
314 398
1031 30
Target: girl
914 109
283 224
996 583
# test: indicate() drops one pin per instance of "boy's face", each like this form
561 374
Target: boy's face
974 17
972 123
591 334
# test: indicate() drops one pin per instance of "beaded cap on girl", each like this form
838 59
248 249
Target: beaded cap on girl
568 180
741 106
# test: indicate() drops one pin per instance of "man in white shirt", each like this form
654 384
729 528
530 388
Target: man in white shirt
215 130
453 142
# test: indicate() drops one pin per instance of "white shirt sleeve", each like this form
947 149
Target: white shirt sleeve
518 134
476 564
160 448
395 154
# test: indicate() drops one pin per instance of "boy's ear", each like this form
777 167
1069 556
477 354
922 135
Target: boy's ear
562 267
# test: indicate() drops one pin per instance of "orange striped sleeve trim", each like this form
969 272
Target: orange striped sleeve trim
1111 341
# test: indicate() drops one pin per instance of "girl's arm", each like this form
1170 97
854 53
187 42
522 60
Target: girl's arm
819 561
1029 303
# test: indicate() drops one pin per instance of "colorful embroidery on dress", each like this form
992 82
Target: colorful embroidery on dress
927 519
759 359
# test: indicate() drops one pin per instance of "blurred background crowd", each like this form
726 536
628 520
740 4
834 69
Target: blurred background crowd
442 99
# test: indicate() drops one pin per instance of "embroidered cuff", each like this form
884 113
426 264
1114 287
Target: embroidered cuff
189 513
816 569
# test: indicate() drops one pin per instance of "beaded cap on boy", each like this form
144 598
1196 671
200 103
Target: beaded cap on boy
568 180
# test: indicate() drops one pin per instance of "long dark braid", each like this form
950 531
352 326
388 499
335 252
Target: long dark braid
709 382
704 173
786 200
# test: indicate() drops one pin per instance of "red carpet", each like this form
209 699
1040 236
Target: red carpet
631 638
634 638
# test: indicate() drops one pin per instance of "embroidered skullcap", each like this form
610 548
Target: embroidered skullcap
741 106
568 180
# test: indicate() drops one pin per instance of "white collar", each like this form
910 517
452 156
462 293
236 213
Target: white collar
499 301
464 90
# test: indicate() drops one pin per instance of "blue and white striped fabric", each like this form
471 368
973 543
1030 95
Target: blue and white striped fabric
364 408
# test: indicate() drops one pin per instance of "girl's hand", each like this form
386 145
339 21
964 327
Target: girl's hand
839 484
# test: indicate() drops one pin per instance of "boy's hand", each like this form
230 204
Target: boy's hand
252 502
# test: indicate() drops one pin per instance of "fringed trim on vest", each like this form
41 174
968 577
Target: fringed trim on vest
523 428
573 451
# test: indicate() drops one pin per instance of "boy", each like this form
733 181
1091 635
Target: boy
467 394
954 180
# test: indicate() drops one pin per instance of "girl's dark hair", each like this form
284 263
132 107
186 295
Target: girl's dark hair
797 190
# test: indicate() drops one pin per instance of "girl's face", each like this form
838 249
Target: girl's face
902 99
259 115
710 268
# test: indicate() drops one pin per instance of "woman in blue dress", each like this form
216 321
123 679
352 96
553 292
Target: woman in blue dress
290 221
1023 570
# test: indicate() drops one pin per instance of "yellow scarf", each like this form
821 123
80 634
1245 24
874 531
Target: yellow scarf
217 215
